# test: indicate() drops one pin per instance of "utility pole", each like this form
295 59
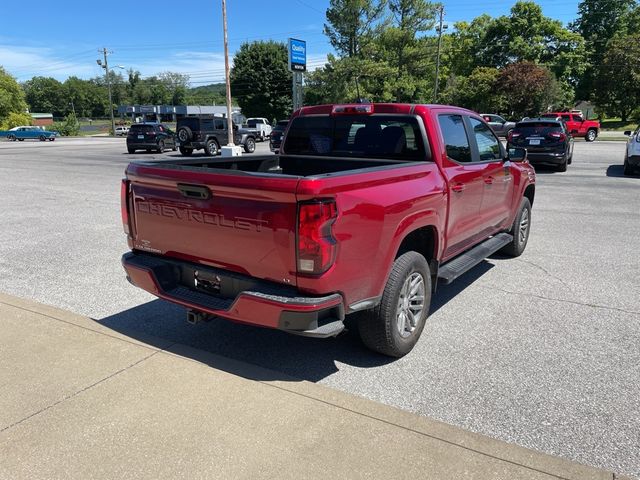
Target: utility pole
226 73
106 69
435 89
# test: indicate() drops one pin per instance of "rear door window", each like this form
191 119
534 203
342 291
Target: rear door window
455 138
393 137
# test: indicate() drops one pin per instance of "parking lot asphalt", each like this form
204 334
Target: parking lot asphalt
542 351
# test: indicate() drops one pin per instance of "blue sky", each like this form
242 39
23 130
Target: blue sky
60 39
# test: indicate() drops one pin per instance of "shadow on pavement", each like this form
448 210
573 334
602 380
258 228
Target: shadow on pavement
617 170
158 321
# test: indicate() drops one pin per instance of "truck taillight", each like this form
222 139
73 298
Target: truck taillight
316 244
124 204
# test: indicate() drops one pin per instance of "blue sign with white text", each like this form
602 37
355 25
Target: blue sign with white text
297 55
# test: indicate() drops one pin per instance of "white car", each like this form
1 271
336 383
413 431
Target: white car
632 155
261 125
122 131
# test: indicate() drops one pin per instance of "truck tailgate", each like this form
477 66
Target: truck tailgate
242 223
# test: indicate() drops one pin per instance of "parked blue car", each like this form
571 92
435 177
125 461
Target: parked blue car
28 132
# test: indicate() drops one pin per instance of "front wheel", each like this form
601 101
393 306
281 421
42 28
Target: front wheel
591 135
42 138
520 230
394 326
250 145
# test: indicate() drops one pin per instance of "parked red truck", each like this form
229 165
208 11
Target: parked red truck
577 125
365 210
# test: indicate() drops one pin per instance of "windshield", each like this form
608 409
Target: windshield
393 137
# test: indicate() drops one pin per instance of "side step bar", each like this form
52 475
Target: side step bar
451 270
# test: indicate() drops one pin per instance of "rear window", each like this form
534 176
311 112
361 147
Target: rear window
141 128
537 128
379 136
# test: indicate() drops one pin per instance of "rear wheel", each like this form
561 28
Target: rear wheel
160 146
519 230
11 137
591 135
394 326
211 148
250 145
131 150
563 166
186 151
627 168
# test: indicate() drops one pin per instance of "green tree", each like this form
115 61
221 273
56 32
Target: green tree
46 94
598 22
526 35
351 24
11 95
15 119
479 91
68 127
617 82
464 48
261 81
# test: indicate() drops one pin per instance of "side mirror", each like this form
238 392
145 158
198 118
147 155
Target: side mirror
517 154
627 133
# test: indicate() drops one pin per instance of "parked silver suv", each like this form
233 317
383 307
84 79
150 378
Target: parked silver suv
499 125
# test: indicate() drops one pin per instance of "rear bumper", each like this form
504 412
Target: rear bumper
236 297
546 158
142 145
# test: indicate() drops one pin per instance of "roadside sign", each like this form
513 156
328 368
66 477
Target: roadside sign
297 55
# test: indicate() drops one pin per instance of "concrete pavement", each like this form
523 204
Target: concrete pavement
80 400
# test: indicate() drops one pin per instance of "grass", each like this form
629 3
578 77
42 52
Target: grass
617 125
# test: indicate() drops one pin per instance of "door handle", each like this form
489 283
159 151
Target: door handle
458 187
488 180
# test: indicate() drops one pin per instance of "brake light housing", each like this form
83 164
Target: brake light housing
512 135
317 246
124 205
557 136
353 109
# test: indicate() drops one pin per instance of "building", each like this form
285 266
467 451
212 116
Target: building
159 113
42 119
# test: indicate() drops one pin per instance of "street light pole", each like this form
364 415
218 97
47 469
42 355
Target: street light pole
226 72
435 90
106 69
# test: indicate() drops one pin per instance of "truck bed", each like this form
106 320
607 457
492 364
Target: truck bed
289 165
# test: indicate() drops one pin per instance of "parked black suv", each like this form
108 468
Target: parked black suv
548 141
150 136
275 139
208 133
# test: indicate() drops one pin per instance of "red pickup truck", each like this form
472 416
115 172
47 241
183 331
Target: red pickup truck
366 208
577 125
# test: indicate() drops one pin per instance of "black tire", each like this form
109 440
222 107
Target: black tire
160 146
11 137
211 148
380 328
184 134
627 168
42 138
591 135
563 166
131 150
21 139
51 139
250 145
186 151
519 230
